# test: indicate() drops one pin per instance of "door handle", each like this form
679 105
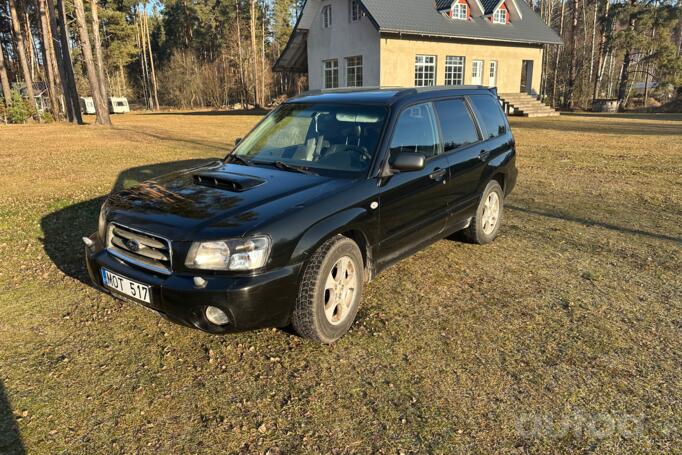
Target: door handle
484 155
438 174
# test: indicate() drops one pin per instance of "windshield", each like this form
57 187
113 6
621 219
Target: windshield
337 140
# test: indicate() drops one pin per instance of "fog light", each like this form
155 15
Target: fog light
216 316
199 282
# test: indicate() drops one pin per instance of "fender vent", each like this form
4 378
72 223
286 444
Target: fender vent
226 181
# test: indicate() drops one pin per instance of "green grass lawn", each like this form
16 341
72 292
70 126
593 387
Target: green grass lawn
564 334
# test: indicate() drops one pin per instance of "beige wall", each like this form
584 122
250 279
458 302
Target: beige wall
398 54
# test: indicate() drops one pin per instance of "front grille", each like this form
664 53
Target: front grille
139 248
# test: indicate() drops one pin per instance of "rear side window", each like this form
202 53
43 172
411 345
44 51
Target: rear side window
415 132
490 115
456 124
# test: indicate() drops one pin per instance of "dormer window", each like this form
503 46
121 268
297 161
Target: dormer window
460 11
327 16
500 16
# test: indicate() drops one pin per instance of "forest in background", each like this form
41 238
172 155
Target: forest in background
614 50
219 53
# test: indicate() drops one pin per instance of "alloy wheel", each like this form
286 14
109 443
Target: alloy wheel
339 290
491 213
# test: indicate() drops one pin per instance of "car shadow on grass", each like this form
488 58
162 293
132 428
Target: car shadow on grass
10 438
589 222
640 125
64 228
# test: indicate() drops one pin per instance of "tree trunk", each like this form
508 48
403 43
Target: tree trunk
47 60
623 81
262 72
151 61
138 41
627 58
99 60
101 107
21 51
143 61
4 79
254 54
546 10
60 37
601 59
241 57
573 70
609 76
647 66
30 45
50 44
122 81
558 55
594 32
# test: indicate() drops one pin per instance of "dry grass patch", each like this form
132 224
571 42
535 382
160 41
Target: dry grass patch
562 335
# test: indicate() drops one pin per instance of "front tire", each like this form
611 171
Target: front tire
330 291
485 225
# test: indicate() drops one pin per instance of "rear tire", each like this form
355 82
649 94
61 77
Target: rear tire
330 291
485 225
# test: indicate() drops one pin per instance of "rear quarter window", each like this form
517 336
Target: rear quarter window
490 116
456 124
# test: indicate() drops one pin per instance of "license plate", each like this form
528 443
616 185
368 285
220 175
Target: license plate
126 286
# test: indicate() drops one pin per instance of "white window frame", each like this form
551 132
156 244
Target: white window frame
460 11
355 13
480 65
500 18
330 66
424 65
354 65
327 16
492 72
454 69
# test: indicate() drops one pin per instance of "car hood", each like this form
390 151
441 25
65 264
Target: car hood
217 200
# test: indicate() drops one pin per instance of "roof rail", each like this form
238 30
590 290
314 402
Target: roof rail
400 90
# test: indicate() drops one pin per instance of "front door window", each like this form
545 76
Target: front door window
416 132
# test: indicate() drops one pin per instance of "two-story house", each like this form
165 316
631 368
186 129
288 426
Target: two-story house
355 43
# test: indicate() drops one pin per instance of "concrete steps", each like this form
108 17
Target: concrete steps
525 105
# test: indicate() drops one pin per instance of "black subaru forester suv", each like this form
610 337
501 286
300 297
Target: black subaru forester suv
327 191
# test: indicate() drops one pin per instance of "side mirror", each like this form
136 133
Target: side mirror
237 141
406 162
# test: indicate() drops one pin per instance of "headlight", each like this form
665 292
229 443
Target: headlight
235 254
102 223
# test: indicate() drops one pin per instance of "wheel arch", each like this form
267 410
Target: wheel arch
500 178
350 223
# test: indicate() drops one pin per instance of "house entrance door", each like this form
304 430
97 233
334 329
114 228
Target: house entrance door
527 76
477 72
492 77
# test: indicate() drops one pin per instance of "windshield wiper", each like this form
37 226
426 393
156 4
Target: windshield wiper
286 167
290 167
239 159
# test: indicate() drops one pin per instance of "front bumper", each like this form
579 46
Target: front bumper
251 302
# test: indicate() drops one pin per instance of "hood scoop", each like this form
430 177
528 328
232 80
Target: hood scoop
227 181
